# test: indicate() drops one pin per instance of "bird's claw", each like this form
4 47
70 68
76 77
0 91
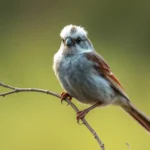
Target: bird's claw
81 115
65 95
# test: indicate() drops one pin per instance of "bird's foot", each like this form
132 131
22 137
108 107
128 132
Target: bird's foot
65 95
81 114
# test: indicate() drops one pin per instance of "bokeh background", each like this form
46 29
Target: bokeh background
29 37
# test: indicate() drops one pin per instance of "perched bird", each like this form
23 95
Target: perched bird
85 75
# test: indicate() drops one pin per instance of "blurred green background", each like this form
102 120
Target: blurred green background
29 37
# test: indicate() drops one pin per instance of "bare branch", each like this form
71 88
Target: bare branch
17 90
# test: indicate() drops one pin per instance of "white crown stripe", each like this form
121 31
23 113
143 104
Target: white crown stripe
79 32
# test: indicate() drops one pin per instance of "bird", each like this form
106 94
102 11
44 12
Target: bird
86 76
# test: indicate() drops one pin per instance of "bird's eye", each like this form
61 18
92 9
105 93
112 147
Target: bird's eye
78 40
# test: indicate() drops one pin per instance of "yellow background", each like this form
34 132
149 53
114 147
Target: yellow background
29 37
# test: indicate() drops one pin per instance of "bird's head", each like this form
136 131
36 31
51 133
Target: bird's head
75 40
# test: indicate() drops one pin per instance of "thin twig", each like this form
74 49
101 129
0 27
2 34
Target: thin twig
17 90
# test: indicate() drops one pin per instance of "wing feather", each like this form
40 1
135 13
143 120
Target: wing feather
103 68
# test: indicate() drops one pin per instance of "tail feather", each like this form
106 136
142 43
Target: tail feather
140 117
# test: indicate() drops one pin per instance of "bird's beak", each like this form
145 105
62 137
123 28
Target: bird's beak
69 42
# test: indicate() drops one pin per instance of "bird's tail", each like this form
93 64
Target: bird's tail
140 117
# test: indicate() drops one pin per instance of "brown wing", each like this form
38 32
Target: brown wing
104 69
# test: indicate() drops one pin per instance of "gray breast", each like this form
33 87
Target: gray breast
77 78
